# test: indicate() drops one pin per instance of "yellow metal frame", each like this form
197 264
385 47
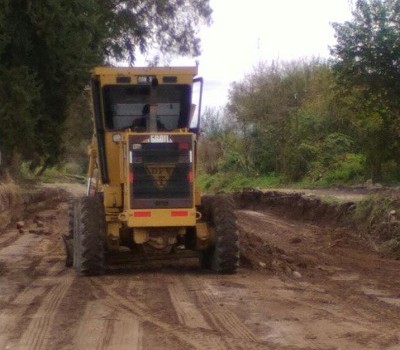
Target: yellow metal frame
109 75
116 192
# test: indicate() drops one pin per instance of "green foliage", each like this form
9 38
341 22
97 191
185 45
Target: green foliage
222 146
66 173
390 172
19 92
323 123
367 63
169 26
347 168
54 44
277 106
368 50
77 133
321 139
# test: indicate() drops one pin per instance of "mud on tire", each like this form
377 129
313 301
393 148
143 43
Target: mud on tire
89 226
223 256
68 238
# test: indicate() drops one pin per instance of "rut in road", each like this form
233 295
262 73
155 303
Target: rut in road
196 338
103 326
35 336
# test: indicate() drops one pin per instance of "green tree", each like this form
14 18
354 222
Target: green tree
266 103
170 26
367 65
77 134
221 143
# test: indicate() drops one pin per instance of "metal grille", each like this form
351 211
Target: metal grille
161 174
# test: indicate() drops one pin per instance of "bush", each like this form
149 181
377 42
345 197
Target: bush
345 169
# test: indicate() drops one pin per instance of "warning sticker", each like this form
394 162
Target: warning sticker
160 174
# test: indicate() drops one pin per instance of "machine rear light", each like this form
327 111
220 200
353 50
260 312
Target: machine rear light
179 213
190 176
184 146
142 214
131 178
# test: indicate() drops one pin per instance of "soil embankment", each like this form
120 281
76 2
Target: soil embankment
18 202
370 217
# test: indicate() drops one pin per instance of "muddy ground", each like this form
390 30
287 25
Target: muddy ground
304 283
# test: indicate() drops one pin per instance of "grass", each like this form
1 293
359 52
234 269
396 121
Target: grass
51 175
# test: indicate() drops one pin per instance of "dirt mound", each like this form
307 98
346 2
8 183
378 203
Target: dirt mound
296 206
379 219
318 225
17 202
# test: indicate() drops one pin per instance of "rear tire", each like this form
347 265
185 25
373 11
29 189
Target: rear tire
89 232
223 256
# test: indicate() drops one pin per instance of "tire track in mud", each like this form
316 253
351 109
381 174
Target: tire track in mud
28 257
186 310
202 339
9 320
104 327
223 319
344 305
36 334
347 261
127 305
187 317
8 238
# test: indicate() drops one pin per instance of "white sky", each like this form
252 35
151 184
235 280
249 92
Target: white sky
245 32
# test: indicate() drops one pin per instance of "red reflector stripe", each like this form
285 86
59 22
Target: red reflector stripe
184 146
142 214
176 213
190 176
131 178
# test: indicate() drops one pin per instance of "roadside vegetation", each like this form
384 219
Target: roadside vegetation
309 122
314 122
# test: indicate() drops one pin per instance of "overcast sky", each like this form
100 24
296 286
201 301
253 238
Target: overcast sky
245 32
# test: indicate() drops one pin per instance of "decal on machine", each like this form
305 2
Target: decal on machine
160 139
160 174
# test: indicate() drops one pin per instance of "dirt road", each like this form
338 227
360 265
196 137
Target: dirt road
300 287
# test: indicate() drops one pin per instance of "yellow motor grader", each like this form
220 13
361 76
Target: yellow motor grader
142 201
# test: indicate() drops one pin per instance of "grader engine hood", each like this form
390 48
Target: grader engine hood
161 170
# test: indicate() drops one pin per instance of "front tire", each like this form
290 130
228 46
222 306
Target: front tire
89 233
223 255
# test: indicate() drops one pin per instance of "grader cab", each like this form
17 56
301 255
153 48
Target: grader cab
142 201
